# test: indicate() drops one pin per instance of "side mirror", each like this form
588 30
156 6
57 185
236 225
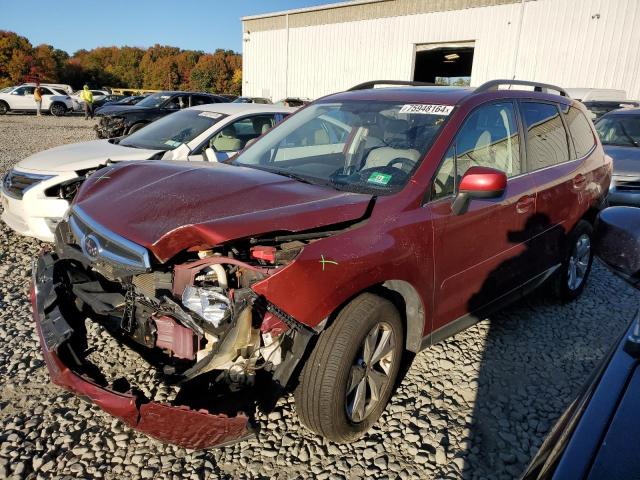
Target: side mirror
617 242
478 182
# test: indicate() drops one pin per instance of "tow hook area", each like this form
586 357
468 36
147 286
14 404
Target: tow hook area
59 337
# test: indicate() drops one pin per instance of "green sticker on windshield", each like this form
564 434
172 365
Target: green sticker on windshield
379 178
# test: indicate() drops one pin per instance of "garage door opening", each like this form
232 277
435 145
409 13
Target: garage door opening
444 63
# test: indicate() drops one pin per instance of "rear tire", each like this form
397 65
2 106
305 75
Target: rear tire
348 379
570 280
136 127
57 109
4 108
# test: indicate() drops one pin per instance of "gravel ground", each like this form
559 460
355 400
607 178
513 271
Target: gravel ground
476 406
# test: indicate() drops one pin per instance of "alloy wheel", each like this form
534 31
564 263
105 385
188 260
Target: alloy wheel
57 110
370 372
579 262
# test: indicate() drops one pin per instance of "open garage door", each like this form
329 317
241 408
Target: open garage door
444 63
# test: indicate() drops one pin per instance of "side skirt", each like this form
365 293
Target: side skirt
464 322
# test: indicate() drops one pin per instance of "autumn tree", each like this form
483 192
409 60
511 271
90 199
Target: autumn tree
157 67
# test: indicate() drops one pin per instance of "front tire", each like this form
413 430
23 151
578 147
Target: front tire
572 277
136 127
57 109
348 379
4 108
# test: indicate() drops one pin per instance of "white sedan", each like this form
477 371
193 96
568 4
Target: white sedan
37 191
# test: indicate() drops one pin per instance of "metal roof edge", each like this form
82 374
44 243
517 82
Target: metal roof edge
326 6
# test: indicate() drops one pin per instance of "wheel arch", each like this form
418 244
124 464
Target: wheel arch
407 300
137 124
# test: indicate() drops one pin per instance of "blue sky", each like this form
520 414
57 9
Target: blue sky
190 24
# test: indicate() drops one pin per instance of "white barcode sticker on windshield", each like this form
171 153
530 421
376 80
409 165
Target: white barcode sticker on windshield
427 109
213 115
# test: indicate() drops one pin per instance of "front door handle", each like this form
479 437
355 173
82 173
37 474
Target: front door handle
525 204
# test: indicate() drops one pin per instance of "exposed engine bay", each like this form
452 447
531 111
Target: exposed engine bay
195 320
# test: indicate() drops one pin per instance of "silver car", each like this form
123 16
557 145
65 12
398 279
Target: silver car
619 132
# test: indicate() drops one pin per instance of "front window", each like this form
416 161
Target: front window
488 138
155 100
622 130
371 147
173 130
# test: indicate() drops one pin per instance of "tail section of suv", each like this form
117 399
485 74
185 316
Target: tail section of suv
371 222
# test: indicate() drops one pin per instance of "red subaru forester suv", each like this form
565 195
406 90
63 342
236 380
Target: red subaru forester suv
370 222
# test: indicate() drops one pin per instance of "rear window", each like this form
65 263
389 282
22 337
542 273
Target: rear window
581 133
546 142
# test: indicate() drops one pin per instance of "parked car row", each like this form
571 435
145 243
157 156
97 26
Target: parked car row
369 223
118 120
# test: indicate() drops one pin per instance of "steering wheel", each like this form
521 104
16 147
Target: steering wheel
404 162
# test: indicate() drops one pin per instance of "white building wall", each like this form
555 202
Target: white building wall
562 41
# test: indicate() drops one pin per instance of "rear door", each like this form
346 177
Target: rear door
559 175
46 97
482 254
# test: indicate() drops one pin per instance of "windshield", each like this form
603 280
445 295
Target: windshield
358 146
173 130
154 101
623 130
6 89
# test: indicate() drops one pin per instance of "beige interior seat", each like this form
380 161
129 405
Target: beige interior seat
395 135
227 141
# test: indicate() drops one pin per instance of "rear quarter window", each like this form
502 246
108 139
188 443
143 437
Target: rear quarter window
546 141
581 133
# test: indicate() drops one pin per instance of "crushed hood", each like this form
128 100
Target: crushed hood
108 110
626 160
80 156
168 207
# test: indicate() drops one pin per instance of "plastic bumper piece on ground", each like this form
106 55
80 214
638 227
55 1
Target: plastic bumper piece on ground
180 425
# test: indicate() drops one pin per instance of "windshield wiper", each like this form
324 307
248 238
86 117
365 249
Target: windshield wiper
294 176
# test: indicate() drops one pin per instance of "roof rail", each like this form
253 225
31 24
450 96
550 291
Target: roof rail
373 83
537 86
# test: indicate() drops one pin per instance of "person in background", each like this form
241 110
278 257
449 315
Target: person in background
87 97
37 96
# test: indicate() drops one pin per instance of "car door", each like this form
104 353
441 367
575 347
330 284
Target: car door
22 99
481 255
233 136
201 100
560 178
46 97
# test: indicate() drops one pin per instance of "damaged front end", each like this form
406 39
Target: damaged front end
195 321
110 126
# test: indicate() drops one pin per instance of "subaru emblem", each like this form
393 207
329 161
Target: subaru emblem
91 247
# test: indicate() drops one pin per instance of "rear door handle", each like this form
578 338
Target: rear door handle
579 181
525 204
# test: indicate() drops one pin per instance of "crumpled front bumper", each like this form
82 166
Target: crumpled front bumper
180 425
110 127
